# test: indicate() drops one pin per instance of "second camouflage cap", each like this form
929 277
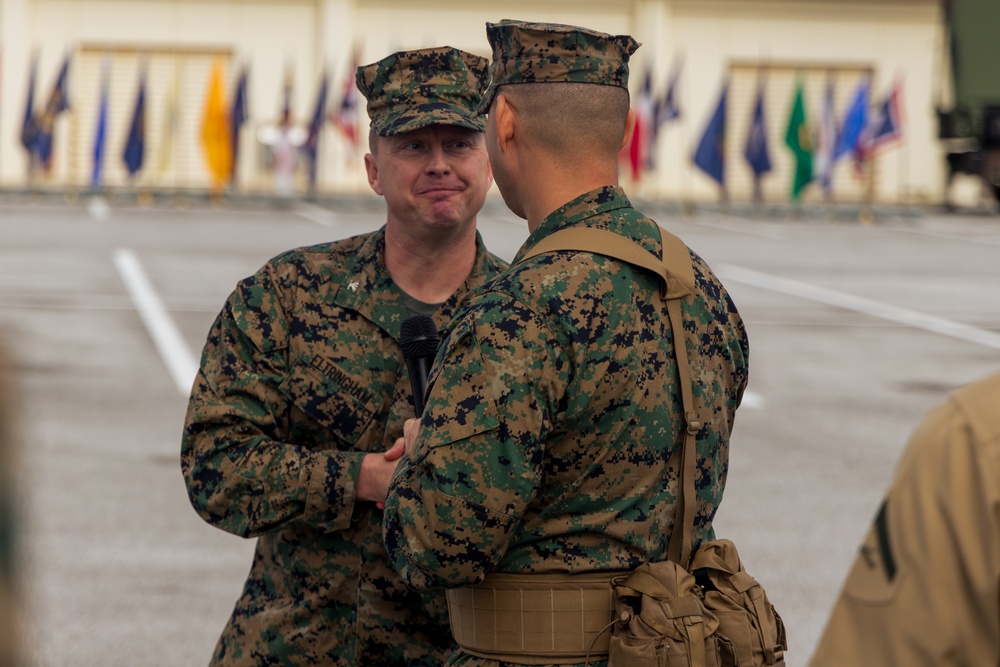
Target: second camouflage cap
412 89
549 52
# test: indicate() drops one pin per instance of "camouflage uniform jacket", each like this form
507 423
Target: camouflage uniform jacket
553 425
301 375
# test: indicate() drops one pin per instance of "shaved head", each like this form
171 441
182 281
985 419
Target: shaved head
572 119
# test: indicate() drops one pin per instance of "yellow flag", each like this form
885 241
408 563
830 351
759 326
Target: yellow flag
215 131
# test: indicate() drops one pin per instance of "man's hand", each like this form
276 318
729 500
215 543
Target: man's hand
376 473
410 429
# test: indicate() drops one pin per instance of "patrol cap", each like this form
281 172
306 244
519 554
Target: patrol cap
549 52
412 89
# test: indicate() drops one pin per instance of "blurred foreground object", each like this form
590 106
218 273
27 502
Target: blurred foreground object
9 585
925 586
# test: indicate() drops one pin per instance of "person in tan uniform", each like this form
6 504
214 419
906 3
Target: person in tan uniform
924 588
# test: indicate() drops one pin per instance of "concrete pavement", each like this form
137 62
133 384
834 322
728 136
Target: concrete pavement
855 331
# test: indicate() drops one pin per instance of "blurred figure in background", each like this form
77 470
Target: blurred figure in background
924 589
303 390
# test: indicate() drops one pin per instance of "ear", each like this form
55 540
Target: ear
371 167
505 120
629 128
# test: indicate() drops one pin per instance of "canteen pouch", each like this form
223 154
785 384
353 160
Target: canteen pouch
717 615
747 619
660 620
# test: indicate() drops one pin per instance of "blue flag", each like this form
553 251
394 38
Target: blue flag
135 145
29 126
311 144
100 133
855 122
57 103
756 148
238 115
710 155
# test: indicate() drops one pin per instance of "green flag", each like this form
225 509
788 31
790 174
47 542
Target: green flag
798 139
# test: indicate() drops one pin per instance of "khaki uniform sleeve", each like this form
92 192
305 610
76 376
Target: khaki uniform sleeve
923 589
242 474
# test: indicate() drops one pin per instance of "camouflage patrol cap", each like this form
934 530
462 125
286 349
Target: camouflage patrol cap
550 52
412 89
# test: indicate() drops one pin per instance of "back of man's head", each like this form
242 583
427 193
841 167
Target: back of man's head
569 85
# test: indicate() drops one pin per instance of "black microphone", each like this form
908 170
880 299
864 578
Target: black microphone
419 339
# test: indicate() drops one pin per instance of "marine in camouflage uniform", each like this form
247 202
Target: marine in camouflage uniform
302 382
550 442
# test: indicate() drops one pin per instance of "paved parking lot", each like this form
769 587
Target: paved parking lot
855 331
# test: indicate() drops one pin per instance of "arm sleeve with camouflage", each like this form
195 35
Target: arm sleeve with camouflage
476 464
242 473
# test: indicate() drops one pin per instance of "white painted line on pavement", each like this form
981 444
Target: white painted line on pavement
754 231
910 318
167 338
949 237
317 214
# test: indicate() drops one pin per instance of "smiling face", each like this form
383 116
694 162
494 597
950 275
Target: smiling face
436 176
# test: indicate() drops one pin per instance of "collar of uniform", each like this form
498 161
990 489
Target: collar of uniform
367 287
590 204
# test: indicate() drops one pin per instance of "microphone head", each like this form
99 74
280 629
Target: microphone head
418 337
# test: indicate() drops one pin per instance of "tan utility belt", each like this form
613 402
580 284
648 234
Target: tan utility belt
534 618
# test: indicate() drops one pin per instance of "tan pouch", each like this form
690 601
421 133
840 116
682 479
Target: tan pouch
660 620
747 619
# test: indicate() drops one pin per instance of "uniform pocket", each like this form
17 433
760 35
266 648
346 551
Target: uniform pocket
331 396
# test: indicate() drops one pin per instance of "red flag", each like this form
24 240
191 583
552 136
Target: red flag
346 117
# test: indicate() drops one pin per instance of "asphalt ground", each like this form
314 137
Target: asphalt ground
856 330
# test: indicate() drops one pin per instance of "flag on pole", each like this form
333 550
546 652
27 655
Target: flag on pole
168 130
135 144
667 109
311 145
886 126
101 131
346 119
710 156
640 144
799 142
215 133
285 115
855 122
237 116
826 138
57 103
29 125
756 151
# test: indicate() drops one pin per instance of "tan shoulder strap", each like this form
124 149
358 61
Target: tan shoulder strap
676 273
675 270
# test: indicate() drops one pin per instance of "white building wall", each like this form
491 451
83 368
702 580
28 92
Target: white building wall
714 37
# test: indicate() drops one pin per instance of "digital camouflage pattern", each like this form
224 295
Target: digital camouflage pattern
412 89
539 52
302 374
551 437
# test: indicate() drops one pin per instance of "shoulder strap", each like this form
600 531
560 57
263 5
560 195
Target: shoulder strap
675 270
676 273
